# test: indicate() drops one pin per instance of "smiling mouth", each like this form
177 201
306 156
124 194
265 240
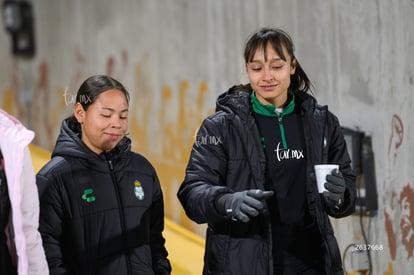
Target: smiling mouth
114 136
268 87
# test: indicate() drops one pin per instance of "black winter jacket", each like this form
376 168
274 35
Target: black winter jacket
227 157
101 214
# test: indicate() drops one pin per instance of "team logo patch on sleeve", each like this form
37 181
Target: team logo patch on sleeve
138 190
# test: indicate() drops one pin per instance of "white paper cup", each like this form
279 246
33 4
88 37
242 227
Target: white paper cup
321 170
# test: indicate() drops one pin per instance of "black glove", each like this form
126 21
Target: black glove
335 184
243 205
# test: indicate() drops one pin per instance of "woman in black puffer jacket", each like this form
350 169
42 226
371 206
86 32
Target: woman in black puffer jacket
101 205
251 171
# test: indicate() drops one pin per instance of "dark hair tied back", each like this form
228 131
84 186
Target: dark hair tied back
89 90
279 40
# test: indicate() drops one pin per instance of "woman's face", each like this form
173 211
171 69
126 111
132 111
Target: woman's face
105 122
270 78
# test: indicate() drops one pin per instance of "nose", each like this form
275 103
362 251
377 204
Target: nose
267 75
115 122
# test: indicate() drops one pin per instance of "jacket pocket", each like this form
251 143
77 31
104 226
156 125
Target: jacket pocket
215 253
235 255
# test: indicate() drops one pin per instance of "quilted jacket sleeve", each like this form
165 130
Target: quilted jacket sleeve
206 173
337 153
160 262
51 224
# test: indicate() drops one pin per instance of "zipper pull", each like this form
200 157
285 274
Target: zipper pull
109 159
279 114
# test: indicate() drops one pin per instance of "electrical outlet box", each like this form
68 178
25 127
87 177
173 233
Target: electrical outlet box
363 163
359 260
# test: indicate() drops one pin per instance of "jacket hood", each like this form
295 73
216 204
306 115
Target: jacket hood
236 100
70 144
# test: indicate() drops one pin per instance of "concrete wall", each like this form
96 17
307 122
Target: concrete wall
177 56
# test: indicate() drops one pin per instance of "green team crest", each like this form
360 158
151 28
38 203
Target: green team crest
138 190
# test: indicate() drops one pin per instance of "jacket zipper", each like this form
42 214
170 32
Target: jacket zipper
267 222
282 131
121 212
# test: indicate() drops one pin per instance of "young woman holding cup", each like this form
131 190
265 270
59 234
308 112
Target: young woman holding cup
256 188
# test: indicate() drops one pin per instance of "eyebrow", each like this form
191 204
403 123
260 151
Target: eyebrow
112 110
272 60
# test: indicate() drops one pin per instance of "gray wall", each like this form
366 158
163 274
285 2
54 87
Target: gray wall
177 56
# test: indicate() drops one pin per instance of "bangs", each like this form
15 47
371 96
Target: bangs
260 41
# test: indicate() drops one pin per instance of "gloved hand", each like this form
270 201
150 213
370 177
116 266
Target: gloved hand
335 184
243 205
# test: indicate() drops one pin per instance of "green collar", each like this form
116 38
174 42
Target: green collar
269 109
